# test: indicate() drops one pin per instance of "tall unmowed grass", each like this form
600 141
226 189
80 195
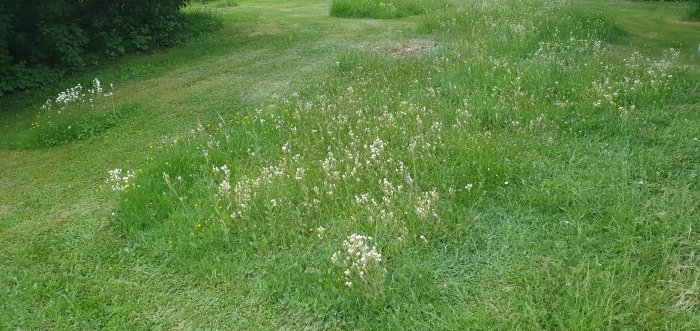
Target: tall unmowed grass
77 113
383 8
515 167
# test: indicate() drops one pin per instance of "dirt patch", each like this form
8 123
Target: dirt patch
413 48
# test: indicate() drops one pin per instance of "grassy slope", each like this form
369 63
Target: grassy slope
63 266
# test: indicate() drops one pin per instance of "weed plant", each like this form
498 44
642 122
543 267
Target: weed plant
694 11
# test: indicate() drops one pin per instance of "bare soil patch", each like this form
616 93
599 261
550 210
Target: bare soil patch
413 48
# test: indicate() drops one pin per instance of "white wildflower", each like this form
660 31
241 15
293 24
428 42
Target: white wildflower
320 231
300 174
357 257
225 184
118 180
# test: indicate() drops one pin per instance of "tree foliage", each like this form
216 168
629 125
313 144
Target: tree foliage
43 39
694 11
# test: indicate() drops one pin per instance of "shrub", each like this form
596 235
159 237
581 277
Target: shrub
43 39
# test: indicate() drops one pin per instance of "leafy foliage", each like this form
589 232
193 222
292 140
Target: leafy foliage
694 11
43 39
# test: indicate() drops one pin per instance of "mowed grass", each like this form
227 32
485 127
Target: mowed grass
487 165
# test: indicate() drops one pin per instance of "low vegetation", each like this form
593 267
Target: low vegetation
480 165
383 9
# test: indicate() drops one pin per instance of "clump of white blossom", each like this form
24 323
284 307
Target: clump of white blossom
357 258
644 79
425 205
78 94
225 185
118 179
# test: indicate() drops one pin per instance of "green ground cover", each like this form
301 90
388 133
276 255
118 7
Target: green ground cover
482 165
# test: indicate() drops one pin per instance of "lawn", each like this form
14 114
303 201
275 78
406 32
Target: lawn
480 164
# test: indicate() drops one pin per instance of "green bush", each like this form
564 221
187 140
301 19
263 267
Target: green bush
694 11
382 9
43 39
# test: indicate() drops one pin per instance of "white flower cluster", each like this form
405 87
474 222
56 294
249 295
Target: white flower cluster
76 95
118 180
425 206
70 95
357 258
225 185
247 189
97 88
376 149
644 78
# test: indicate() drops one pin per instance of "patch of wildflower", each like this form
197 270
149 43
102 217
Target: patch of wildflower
644 80
425 205
118 179
77 94
73 115
357 258
389 7
247 189
225 184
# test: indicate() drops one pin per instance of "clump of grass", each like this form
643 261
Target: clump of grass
383 8
220 3
75 114
225 4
